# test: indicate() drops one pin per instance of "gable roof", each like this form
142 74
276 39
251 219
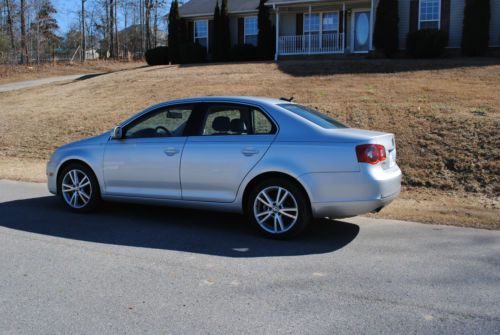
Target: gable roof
206 7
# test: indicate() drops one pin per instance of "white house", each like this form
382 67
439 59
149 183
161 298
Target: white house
310 27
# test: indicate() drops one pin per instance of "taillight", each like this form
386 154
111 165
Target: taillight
370 153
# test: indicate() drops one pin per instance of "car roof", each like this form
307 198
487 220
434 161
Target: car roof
233 99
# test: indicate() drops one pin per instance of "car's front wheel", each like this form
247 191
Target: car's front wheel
78 188
279 208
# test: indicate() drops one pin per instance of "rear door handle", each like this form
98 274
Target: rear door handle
171 151
249 151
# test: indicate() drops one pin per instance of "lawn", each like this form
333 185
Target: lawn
444 113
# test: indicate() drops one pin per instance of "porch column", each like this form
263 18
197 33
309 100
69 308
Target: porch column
344 19
371 25
309 47
276 54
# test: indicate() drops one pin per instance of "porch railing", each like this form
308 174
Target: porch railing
329 43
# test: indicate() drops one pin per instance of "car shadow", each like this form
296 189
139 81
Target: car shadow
169 228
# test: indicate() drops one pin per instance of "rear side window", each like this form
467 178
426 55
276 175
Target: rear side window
314 116
232 119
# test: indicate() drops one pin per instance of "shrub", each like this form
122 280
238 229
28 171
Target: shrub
426 43
243 52
265 44
157 56
190 52
386 33
476 27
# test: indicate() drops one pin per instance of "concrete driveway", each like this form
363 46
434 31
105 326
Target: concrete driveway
137 269
33 83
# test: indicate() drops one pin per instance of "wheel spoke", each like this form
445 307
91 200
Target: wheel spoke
289 215
67 188
280 222
275 224
84 182
268 204
74 199
269 201
267 217
264 213
280 201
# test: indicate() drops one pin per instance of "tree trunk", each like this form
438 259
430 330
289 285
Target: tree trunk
84 47
24 46
10 26
111 29
117 51
147 7
155 27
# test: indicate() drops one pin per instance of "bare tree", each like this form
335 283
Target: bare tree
83 43
24 47
10 25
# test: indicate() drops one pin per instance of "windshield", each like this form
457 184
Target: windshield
314 116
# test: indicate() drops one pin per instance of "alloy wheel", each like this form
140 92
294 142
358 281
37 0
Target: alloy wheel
275 209
76 188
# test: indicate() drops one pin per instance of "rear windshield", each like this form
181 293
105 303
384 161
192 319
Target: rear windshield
314 116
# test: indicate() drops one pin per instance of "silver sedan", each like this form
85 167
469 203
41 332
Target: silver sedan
280 163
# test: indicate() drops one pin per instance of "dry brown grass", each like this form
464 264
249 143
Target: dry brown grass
10 73
445 114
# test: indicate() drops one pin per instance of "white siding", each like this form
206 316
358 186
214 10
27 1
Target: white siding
456 23
495 23
404 22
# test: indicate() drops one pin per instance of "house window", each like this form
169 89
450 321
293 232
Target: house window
330 23
251 30
311 23
201 32
429 14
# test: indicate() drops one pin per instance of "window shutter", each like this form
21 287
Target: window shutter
210 35
413 15
341 21
445 16
299 24
191 31
241 30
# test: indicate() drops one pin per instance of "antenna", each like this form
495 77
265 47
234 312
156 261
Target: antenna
287 99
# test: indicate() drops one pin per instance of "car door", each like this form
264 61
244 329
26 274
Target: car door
232 140
146 161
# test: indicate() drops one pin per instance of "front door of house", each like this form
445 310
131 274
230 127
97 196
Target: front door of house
361 31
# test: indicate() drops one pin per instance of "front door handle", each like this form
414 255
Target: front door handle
249 151
171 151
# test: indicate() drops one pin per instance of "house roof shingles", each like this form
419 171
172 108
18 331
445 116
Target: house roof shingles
206 7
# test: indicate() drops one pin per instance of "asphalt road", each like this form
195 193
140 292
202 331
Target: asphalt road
32 83
137 269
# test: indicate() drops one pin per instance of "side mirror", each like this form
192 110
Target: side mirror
117 133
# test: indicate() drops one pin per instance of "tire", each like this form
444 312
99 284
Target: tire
83 198
278 208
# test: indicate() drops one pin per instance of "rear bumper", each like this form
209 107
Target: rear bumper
346 194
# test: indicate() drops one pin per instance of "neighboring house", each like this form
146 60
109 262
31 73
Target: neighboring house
307 27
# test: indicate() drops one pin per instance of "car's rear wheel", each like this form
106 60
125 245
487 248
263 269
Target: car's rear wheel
78 188
279 208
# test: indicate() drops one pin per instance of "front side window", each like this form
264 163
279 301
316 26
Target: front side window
330 22
225 119
251 30
314 116
429 14
163 122
201 32
311 23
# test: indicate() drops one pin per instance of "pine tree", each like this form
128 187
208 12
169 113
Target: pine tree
224 37
174 32
265 45
386 34
48 25
216 52
476 27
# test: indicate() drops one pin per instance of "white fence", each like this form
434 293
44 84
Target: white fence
330 43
